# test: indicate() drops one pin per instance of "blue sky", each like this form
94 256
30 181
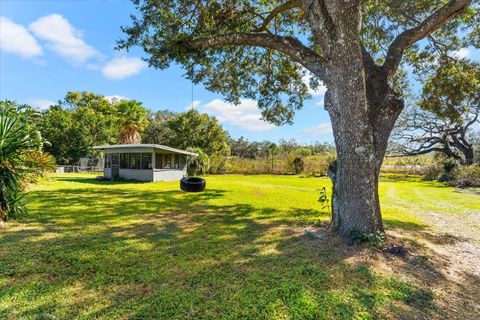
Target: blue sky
51 47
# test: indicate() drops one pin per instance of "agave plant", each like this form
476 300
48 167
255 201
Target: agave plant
15 141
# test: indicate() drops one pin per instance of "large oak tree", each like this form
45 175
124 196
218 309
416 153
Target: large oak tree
262 49
444 117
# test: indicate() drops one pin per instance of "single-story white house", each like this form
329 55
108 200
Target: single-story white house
144 162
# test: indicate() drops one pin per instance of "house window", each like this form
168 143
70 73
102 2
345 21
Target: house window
183 161
115 159
167 161
146 161
124 160
108 160
158 161
135 160
177 161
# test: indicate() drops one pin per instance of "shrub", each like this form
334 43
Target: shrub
198 165
249 166
448 170
466 183
432 173
218 163
445 171
458 176
15 143
297 165
37 164
467 176
317 165
468 172
302 152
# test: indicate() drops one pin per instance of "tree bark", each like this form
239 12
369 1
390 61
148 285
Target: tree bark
363 111
2 203
465 148
355 203
361 141
469 157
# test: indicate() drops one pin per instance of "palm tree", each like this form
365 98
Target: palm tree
15 141
22 159
132 120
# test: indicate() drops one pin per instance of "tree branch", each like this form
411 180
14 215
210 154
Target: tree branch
475 117
419 152
422 30
287 45
281 8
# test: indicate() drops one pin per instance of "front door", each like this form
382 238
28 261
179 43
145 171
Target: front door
115 172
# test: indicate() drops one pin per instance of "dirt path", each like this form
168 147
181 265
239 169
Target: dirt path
454 244
457 238
464 226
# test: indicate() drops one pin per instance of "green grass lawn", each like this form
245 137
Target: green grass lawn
103 250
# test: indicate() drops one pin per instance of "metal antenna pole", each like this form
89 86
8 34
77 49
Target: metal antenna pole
192 95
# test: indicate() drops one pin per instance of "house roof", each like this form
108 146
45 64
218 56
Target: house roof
140 145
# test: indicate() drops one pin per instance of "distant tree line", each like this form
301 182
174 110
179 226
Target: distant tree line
284 157
82 120
243 148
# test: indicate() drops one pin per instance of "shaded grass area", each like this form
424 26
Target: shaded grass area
106 250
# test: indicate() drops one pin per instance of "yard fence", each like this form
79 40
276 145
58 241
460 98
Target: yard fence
85 165
68 169
406 169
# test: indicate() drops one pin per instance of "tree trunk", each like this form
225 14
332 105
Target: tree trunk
465 149
363 112
469 157
3 214
355 203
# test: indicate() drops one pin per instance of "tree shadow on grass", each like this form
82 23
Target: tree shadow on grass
396 224
76 206
93 180
411 178
398 178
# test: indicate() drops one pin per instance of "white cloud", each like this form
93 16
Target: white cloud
462 53
63 38
320 102
317 94
119 68
115 98
40 104
323 129
246 115
15 38
195 105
